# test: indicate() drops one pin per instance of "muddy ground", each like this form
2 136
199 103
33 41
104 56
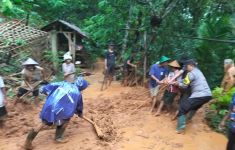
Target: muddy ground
124 126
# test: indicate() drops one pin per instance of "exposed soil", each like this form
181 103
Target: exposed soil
124 126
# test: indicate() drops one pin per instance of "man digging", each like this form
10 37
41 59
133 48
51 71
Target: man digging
64 99
200 94
157 72
129 68
3 102
31 74
172 90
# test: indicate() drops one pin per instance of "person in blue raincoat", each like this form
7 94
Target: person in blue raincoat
64 99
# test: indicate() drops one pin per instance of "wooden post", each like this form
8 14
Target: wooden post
74 47
53 36
70 42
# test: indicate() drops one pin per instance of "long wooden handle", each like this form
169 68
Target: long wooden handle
176 76
89 120
97 129
27 93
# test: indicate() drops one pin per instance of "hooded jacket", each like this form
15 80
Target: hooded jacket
63 101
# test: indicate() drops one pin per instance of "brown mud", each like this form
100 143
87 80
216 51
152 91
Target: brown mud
124 126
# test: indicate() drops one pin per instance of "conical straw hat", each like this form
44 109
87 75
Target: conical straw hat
174 64
30 61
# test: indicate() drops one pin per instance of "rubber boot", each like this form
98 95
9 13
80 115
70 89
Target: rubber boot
28 143
190 115
59 134
181 124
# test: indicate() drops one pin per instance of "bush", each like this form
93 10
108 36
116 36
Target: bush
219 107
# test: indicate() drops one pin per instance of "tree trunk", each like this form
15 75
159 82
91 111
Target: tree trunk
125 39
145 56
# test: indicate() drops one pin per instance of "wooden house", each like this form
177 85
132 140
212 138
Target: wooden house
65 37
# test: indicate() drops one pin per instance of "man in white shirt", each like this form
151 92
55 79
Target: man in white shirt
3 102
68 69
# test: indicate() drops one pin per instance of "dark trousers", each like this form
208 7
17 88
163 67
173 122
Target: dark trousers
231 141
192 104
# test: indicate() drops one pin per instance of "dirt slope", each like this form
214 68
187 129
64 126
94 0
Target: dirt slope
124 128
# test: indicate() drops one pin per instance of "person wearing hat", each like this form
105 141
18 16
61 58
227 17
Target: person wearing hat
200 94
231 132
172 90
229 75
158 72
3 102
68 68
109 63
31 74
64 99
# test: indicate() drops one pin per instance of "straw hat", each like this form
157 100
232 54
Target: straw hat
29 61
174 64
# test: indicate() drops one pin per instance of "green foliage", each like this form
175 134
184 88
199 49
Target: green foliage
6 6
106 20
20 42
49 56
222 100
213 120
219 107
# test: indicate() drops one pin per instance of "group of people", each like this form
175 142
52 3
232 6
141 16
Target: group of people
184 78
64 99
176 79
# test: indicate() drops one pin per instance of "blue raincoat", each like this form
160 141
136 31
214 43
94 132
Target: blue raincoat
63 101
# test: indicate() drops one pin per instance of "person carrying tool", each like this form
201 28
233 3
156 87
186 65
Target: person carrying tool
185 92
229 75
32 74
172 90
200 94
157 73
64 99
231 132
3 102
128 68
109 63
68 68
